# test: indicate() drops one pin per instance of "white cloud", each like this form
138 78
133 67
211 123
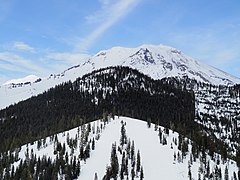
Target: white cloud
70 58
13 62
109 14
22 46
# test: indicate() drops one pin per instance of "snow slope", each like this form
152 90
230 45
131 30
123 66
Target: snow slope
21 81
157 159
157 61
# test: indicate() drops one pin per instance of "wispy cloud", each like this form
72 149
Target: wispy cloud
69 58
13 62
22 46
111 12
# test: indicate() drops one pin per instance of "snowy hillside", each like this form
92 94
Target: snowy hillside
23 81
163 154
156 61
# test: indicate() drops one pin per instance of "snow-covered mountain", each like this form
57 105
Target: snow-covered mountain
23 81
156 61
162 61
164 154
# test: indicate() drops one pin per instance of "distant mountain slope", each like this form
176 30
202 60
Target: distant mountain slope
155 61
23 81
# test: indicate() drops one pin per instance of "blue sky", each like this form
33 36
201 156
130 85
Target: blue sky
48 36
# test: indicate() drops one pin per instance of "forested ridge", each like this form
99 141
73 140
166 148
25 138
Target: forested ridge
116 90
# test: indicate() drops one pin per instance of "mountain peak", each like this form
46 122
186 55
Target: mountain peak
160 61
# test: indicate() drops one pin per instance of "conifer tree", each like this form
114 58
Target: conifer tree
123 166
114 162
93 144
78 168
81 155
132 150
138 161
226 177
123 137
126 168
95 176
141 174
132 173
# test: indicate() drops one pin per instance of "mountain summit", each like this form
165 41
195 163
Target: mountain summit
160 61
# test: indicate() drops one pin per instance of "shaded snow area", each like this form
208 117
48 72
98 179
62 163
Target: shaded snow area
163 153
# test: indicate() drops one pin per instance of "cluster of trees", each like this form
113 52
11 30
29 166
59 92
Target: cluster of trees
43 168
116 90
130 166
67 155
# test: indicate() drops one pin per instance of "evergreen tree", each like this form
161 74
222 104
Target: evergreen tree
138 162
226 176
132 173
123 137
132 150
141 174
81 155
78 170
114 162
126 168
93 144
189 172
95 176
108 174
123 166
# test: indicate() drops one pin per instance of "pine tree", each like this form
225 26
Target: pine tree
132 150
95 176
138 161
189 172
148 122
208 169
123 137
132 173
126 168
128 148
93 144
78 170
87 151
81 155
141 174
114 162
226 177
107 175
123 166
